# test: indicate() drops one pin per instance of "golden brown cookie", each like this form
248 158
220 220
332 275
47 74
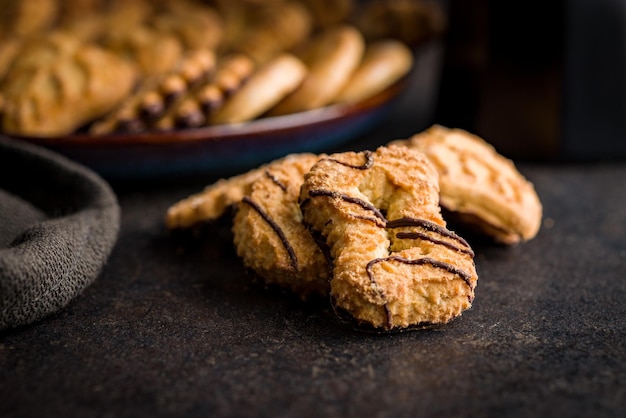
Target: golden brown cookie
154 52
396 265
384 63
409 21
480 187
269 234
195 24
272 28
327 13
156 96
212 202
48 81
26 18
267 86
331 57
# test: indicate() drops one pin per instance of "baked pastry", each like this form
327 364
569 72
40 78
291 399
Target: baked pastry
271 28
327 13
196 25
409 21
331 57
384 63
27 18
45 82
154 52
140 110
195 107
267 86
395 265
479 187
269 234
212 202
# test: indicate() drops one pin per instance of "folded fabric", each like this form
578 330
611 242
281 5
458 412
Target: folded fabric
59 222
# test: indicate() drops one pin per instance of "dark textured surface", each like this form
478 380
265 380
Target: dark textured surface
177 328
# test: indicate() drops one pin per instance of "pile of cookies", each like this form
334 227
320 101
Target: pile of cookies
107 66
366 228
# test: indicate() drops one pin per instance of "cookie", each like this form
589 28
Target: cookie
45 81
267 86
154 52
272 28
154 97
479 187
395 265
384 63
326 13
212 202
196 25
409 21
331 57
269 235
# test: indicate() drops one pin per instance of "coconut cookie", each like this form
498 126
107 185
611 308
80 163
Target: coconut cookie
331 57
480 187
269 234
212 202
395 265
384 63
215 200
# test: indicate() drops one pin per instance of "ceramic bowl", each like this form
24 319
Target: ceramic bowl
216 149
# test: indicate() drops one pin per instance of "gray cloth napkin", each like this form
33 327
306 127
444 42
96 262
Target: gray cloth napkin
59 222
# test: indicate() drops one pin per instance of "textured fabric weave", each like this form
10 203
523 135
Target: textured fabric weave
59 222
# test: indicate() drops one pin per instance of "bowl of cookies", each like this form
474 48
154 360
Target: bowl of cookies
137 88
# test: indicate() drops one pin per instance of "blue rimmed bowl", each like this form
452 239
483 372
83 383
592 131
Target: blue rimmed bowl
223 148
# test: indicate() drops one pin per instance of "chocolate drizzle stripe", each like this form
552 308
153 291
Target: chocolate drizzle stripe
365 205
369 161
425 237
430 226
276 181
420 261
277 229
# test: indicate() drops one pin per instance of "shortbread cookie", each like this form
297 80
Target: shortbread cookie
196 25
480 187
273 28
154 52
88 80
28 18
409 21
269 234
331 58
267 86
395 265
384 63
327 13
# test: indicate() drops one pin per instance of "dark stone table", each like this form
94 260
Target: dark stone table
177 328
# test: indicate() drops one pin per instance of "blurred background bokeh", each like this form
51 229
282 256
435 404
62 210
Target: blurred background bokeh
540 80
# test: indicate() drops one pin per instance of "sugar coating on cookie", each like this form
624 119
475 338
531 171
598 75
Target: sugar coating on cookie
395 265
480 187
269 235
